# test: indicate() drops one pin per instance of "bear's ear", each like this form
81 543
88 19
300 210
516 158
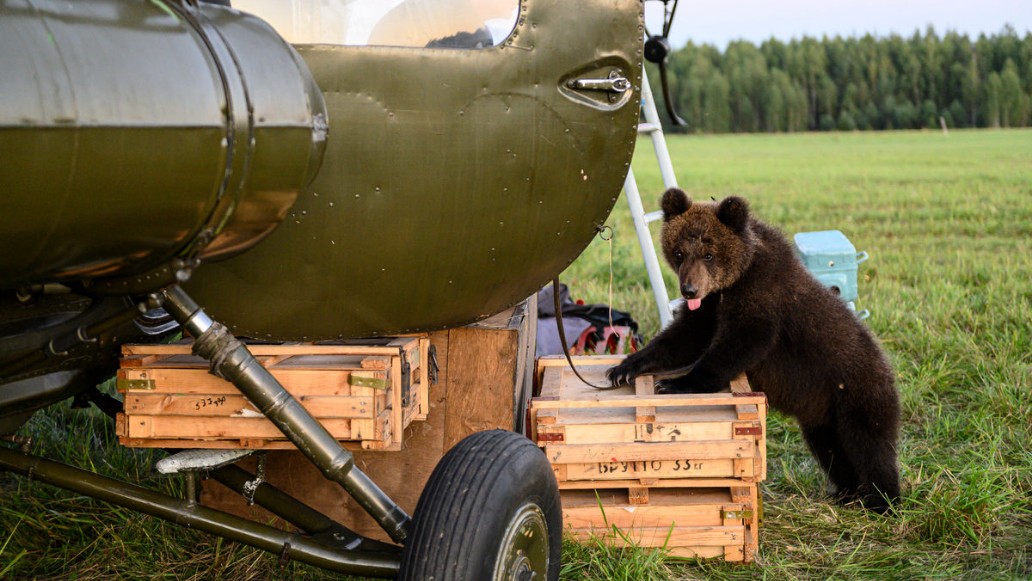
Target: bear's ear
734 212
675 202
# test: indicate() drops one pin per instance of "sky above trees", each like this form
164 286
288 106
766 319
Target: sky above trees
717 22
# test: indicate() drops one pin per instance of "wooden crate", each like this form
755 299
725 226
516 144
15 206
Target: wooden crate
364 395
597 438
689 522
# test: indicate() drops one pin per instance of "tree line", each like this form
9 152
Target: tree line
854 83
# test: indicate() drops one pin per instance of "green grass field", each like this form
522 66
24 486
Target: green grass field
947 220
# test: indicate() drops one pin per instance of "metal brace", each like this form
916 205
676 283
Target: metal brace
284 557
406 381
251 486
434 366
191 487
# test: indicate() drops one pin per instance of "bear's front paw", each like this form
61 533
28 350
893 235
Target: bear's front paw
708 384
670 386
623 374
695 381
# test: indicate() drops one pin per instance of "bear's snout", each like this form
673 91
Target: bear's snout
689 291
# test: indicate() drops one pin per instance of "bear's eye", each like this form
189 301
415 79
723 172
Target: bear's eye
678 255
708 257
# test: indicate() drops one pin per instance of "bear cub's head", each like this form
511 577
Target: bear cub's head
709 245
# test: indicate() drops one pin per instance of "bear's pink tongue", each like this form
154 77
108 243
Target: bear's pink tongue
693 304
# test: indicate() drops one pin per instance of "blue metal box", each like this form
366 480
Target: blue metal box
832 259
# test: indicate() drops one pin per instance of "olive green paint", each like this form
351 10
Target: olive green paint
455 184
135 132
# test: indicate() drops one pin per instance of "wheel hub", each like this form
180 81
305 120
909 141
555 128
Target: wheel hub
523 554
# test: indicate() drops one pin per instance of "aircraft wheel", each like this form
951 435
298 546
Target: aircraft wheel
490 511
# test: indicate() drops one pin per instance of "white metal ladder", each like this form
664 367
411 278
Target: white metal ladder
652 127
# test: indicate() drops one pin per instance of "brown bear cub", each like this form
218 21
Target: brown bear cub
751 306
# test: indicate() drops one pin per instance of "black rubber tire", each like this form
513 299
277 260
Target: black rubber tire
475 495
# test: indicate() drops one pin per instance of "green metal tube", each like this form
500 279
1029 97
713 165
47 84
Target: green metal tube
275 501
192 515
135 132
294 511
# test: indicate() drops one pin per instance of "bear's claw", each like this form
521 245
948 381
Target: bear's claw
620 375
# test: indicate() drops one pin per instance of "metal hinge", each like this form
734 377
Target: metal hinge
545 437
736 514
434 366
406 381
133 384
373 382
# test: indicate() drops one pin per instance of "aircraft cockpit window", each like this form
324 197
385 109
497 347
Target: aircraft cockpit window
464 24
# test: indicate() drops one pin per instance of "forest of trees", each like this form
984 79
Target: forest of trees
854 83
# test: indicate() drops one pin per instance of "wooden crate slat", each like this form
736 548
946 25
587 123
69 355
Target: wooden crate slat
273 364
138 360
634 432
625 515
320 406
397 410
653 483
298 381
424 380
549 361
672 400
728 553
549 390
345 407
243 443
366 429
716 536
578 395
168 427
679 414
272 350
705 450
579 360
643 388
763 441
653 469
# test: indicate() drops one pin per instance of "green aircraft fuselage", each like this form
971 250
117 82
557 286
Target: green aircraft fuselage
455 181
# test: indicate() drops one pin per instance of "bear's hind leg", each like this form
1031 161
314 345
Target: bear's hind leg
879 487
873 453
823 442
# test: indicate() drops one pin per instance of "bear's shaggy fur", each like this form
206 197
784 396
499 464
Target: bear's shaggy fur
752 306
